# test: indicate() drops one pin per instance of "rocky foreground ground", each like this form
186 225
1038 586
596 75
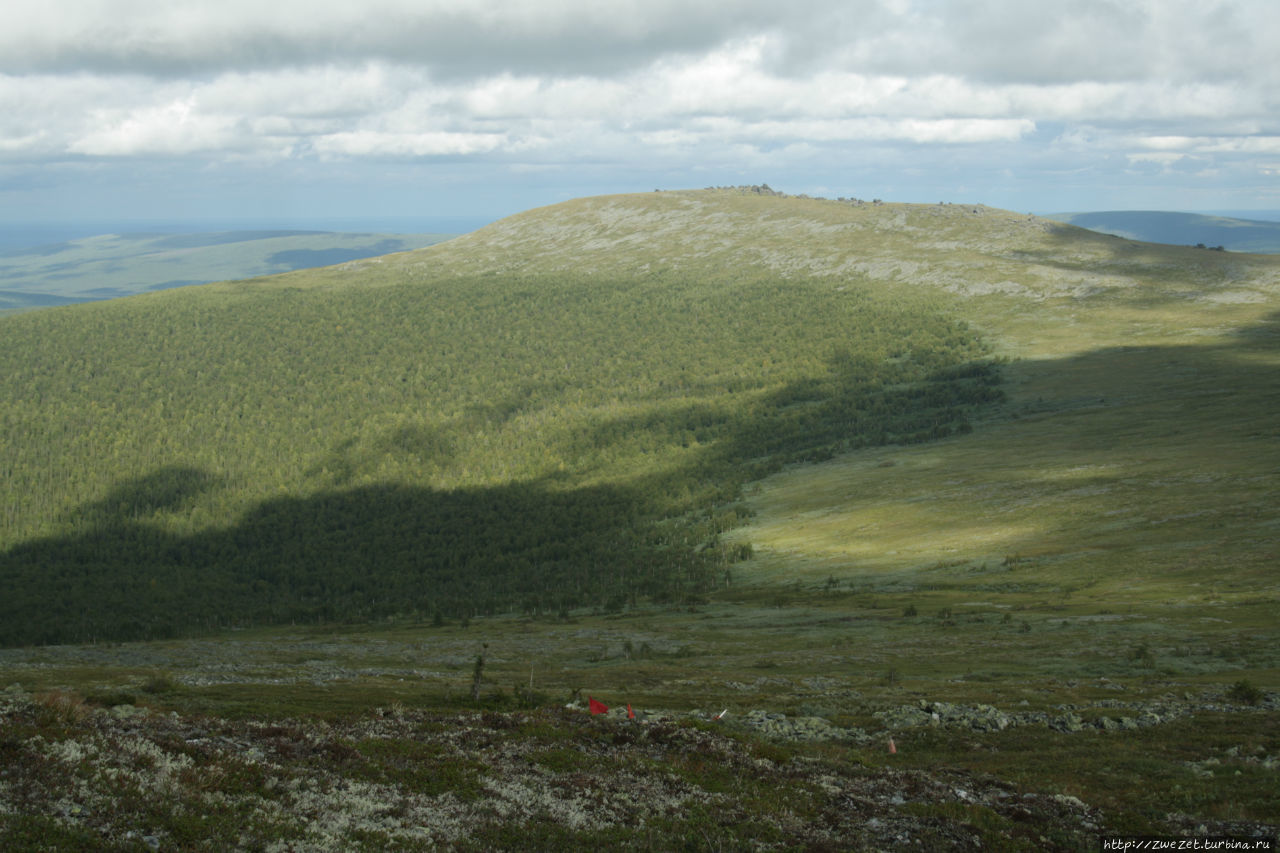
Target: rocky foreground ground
75 776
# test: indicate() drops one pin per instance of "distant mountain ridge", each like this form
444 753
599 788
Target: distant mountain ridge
114 265
1182 229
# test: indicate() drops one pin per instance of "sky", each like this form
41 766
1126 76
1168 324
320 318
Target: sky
305 111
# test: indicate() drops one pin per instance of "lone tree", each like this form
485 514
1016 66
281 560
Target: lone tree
477 674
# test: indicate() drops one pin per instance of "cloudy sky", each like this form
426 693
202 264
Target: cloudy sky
473 109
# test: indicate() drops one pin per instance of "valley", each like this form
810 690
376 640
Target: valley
109 266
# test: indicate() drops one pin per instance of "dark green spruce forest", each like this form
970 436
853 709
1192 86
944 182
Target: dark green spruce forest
286 450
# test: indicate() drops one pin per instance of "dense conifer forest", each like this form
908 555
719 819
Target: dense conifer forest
256 453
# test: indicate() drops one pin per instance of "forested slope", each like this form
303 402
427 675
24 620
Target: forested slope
428 435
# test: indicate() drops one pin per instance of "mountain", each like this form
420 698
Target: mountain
1183 229
966 519
564 409
113 265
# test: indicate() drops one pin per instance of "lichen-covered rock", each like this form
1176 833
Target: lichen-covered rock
1069 722
782 727
988 718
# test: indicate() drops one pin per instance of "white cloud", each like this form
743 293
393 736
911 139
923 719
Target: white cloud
739 84
379 144
1165 143
29 142
172 128
1163 158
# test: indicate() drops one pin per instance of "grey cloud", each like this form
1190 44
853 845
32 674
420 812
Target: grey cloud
1015 41
579 37
994 41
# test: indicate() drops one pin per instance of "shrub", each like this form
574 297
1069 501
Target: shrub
61 707
111 698
1244 692
1143 655
160 683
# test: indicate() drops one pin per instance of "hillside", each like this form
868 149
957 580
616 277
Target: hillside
1182 229
554 411
994 490
114 265
496 438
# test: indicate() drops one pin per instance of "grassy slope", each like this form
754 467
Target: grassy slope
1132 470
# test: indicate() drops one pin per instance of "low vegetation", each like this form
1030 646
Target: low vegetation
371 739
407 779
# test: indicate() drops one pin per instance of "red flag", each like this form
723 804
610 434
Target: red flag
631 715
597 707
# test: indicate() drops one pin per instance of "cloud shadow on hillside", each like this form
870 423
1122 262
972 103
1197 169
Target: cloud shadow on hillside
1182 272
164 490
350 554
362 552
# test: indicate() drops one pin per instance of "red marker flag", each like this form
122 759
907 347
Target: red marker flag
597 707
631 715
